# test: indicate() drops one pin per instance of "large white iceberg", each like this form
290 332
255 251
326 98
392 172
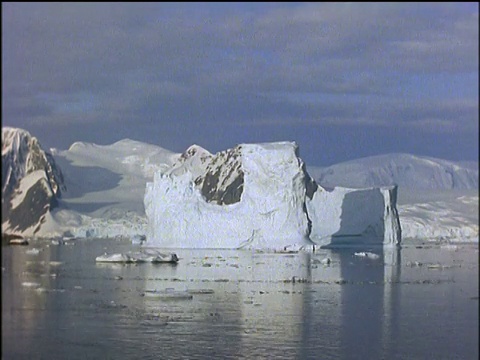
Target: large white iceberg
252 196
260 196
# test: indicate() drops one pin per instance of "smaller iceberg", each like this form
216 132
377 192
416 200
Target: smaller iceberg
18 242
368 255
150 256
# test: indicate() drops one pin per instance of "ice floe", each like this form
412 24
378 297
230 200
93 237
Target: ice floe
368 255
150 256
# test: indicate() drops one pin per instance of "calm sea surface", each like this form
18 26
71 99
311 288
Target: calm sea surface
412 303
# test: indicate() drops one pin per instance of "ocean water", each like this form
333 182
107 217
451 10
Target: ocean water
417 302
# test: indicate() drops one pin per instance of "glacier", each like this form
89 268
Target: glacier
455 217
260 196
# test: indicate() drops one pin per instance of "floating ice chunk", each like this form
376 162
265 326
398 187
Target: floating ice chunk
449 247
32 251
138 257
154 256
18 242
437 266
45 290
168 294
326 261
200 291
30 284
138 239
115 258
170 258
61 242
368 255
414 263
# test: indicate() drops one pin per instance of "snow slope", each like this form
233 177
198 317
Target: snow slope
405 170
105 179
106 188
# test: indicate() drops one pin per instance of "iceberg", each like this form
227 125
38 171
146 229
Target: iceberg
368 255
344 216
260 196
151 256
251 196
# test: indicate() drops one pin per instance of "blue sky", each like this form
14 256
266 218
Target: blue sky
343 80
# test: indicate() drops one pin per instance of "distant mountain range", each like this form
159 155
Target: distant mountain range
108 182
407 171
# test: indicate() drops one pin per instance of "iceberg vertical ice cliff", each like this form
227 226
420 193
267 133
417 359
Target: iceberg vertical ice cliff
260 196
344 216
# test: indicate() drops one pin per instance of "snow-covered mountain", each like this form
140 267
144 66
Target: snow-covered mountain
405 170
32 183
106 187
106 179
103 187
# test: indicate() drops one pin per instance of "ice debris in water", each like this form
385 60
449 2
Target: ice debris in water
32 251
168 294
326 261
138 257
30 284
449 247
18 242
138 239
414 263
368 255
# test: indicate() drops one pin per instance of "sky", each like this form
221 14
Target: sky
342 80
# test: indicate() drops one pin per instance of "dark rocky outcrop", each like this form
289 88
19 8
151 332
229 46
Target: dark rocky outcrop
32 183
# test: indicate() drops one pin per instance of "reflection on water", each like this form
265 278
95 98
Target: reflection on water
409 303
